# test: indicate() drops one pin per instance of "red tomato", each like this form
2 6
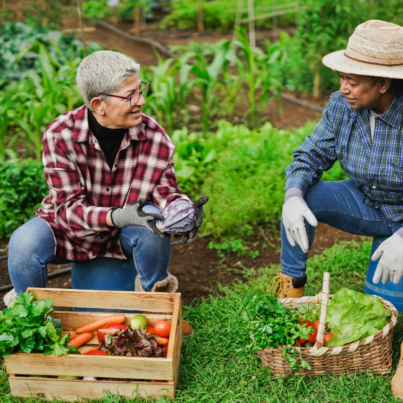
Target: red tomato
314 326
300 341
150 330
327 337
162 328
101 337
165 350
94 352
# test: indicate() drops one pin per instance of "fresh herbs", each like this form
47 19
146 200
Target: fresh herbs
131 343
272 324
27 325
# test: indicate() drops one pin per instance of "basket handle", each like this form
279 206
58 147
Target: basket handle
323 311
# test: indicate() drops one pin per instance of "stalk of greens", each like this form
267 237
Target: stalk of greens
272 324
27 325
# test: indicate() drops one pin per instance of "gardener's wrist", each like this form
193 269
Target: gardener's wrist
291 192
108 220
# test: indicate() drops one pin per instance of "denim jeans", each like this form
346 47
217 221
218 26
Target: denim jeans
340 205
32 247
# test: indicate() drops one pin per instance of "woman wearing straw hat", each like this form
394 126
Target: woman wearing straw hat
362 128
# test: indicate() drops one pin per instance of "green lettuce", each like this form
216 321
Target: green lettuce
354 316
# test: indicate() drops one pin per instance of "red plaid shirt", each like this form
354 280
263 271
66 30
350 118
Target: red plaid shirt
82 187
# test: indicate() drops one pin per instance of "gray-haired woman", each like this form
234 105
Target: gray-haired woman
110 172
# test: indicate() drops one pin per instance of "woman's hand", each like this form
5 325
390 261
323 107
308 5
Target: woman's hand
391 264
199 211
295 210
135 216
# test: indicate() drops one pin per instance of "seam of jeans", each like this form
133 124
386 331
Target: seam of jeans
135 261
348 214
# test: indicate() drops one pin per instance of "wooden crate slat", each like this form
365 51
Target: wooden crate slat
75 320
96 366
120 300
178 348
68 390
175 320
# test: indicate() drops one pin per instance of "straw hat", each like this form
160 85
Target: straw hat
374 49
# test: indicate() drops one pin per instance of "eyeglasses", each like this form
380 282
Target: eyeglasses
135 98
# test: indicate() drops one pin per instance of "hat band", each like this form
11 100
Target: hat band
377 64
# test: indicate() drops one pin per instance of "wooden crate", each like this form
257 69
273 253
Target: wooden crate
142 376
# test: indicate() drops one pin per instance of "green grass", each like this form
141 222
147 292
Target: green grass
213 369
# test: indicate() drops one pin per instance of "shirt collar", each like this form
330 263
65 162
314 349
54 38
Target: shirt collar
392 116
81 130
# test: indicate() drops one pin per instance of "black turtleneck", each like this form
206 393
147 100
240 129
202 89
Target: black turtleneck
109 139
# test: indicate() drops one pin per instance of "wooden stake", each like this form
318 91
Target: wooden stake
80 17
200 27
252 37
136 28
238 18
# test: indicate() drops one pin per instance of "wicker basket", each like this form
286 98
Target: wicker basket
373 353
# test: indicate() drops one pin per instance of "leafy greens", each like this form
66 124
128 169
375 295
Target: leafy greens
27 325
272 324
354 316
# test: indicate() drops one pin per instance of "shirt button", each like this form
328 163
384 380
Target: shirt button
92 253
373 187
107 189
116 165
102 237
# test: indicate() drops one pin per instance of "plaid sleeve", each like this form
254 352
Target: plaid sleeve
167 189
315 155
67 194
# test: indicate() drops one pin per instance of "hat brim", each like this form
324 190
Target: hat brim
339 62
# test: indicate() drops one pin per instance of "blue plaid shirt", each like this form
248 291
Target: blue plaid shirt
344 134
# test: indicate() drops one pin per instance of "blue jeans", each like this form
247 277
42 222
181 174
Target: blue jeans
340 205
32 247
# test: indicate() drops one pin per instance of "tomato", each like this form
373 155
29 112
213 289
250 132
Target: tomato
162 328
327 337
165 350
101 337
150 330
95 352
300 341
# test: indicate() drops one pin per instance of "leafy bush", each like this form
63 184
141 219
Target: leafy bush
216 17
22 188
17 38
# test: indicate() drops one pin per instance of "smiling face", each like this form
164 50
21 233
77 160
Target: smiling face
116 113
365 92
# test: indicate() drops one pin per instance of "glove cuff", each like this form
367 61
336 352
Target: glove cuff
291 192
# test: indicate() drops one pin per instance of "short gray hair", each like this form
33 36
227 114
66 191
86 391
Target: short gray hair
103 71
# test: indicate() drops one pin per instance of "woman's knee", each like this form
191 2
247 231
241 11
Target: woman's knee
34 239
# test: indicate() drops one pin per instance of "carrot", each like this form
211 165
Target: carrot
73 335
81 339
109 320
106 331
90 349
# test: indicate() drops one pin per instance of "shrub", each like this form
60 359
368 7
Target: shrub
22 188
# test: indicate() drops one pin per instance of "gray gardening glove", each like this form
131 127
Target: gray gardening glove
134 216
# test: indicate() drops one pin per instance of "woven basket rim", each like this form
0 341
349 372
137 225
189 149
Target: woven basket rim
350 346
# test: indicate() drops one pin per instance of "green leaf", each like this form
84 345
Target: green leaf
51 331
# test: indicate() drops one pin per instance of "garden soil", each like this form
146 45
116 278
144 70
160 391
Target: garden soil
199 269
